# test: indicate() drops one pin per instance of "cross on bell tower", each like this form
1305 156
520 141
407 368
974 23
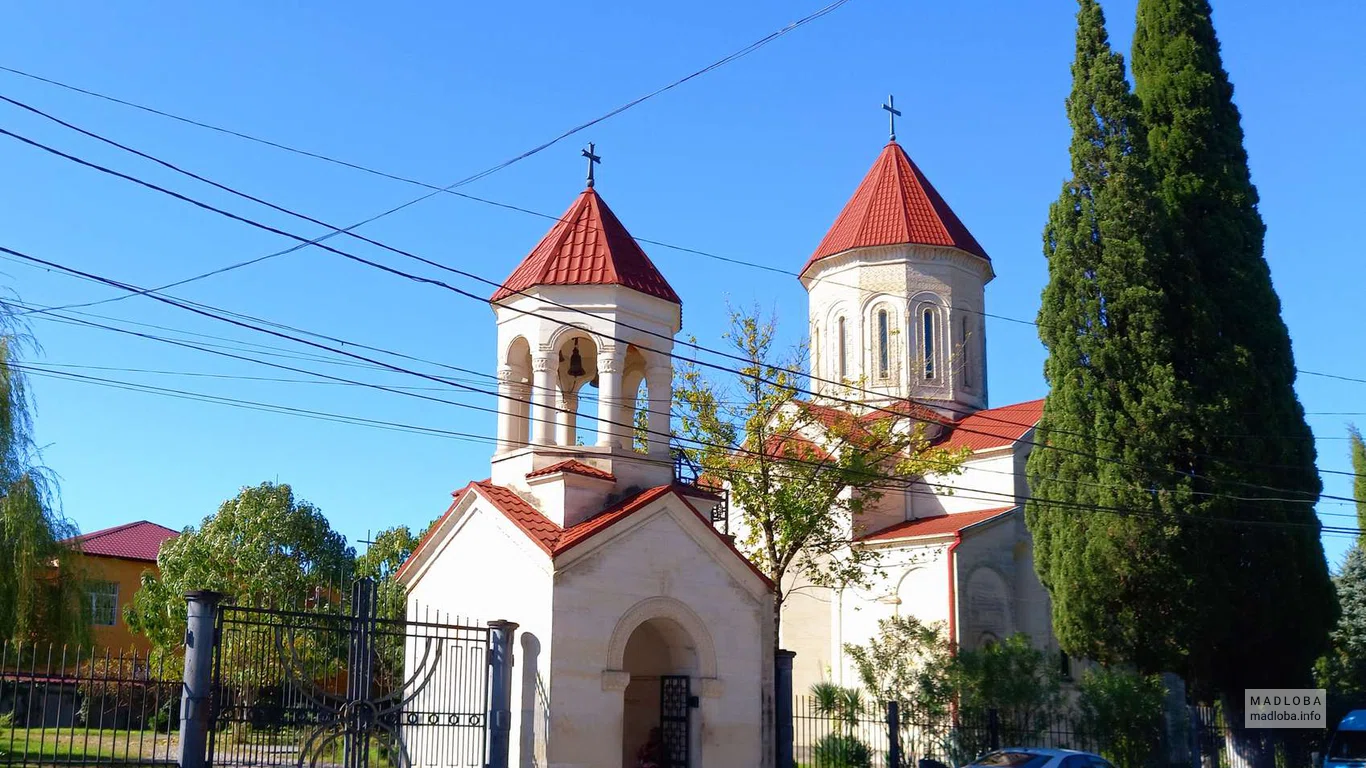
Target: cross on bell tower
890 106
592 161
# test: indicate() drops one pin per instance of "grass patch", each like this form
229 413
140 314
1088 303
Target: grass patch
58 745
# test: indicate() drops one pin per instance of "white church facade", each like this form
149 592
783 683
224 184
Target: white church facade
639 620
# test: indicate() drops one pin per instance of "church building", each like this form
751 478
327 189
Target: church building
639 620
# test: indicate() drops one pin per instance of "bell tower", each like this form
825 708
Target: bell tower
896 292
585 317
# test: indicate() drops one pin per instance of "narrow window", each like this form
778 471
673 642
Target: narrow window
882 343
816 351
843 360
963 350
928 323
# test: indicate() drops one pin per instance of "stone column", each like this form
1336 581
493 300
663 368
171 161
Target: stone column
782 704
659 383
566 419
609 397
507 410
500 692
195 695
543 394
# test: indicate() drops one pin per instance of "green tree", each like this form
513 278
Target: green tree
1251 438
263 547
1342 670
1020 682
1359 482
381 561
1117 414
41 585
907 661
798 474
1122 711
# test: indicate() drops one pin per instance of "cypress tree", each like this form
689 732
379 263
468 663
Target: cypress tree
1267 601
1116 412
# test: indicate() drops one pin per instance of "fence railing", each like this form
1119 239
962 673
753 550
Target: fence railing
80 706
863 736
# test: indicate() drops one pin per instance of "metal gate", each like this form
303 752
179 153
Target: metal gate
675 708
335 683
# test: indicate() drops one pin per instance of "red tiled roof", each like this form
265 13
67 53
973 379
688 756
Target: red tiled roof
535 525
895 204
588 246
132 541
994 427
551 538
603 520
576 467
935 526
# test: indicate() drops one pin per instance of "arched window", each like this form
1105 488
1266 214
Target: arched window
841 352
883 344
927 323
816 352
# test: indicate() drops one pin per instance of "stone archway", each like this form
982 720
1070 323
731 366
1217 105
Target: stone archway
658 637
657 650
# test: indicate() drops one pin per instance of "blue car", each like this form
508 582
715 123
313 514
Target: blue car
1348 747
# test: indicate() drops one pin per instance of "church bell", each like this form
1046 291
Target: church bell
576 362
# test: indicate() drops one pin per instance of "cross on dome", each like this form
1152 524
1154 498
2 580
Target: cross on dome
893 113
593 160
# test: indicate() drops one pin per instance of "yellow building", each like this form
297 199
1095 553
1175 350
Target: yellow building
113 561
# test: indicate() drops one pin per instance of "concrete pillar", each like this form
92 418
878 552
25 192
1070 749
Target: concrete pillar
500 692
566 419
507 410
609 398
659 382
196 695
543 392
782 708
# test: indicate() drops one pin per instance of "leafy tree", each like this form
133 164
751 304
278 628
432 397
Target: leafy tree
1251 438
1123 712
262 547
1359 482
381 561
1012 677
41 584
907 661
798 474
1117 414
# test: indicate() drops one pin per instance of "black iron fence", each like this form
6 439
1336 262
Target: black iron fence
883 735
82 706
847 734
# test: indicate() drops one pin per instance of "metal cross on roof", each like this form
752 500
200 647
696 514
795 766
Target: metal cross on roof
592 160
890 106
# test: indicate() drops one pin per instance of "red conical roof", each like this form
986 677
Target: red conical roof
895 204
589 246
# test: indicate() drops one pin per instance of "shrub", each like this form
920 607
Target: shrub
837 750
1122 712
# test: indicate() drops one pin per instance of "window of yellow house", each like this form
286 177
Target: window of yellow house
103 598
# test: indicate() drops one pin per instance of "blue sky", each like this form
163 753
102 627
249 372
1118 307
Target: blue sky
751 161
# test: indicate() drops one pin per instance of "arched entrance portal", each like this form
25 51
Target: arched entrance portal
661 658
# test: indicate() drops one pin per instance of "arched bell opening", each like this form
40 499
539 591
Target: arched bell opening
576 367
515 390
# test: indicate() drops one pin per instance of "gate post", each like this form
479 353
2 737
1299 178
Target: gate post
195 696
782 707
500 693
893 735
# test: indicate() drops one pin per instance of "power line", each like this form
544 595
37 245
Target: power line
1316 525
991 497
439 283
